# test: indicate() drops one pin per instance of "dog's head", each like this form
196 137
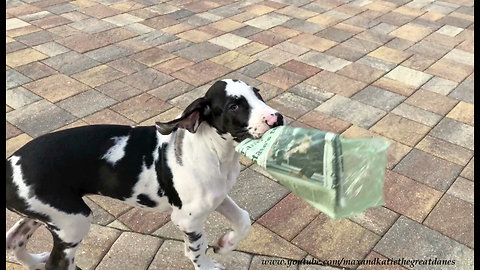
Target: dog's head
231 107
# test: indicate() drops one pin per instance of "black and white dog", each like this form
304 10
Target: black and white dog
162 168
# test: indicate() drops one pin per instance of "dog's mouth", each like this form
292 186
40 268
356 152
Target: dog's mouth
276 124
266 127
258 135
242 136
255 132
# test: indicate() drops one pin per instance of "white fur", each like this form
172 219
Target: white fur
23 189
210 170
241 224
117 151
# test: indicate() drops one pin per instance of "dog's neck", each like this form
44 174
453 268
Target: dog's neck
222 146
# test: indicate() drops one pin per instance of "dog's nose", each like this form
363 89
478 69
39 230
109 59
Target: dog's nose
275 119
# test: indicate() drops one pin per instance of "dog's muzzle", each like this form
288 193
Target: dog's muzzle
274 120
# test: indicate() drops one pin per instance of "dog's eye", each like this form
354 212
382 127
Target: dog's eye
233 107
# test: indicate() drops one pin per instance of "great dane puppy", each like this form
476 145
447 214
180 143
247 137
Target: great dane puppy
186 166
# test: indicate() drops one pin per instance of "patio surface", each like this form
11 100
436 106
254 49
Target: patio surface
396 69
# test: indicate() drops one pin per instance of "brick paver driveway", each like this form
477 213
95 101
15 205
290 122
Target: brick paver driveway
397 69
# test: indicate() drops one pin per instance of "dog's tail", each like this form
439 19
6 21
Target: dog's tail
19 234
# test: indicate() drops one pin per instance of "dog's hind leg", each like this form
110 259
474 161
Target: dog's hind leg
67 235
16 241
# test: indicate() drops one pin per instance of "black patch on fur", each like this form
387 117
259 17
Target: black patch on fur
193 236
71 245
257 94
148 160
165 178
53 227
193 249
221 134
145 200
26 230
196 257
58 259
20 244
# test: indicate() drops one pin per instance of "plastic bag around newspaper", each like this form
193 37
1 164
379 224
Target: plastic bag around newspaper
337 176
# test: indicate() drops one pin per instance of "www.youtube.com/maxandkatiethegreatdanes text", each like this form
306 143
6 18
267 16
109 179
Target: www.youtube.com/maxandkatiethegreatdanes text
349 262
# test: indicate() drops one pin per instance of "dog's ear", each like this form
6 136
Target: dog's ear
190 119
257 93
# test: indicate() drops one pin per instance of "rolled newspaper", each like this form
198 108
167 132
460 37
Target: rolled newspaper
339 177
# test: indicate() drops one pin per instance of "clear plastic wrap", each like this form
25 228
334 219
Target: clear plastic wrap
339 177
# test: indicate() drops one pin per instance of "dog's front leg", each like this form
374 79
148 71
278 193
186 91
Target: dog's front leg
240 220
195 242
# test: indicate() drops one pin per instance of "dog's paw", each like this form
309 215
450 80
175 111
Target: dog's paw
210 265
38 266
42 257
217 265
226 243
38 261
